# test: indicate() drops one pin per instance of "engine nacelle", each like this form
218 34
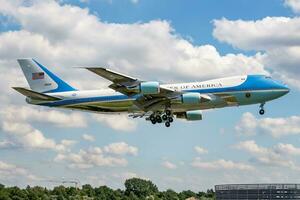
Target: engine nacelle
190 115
149 87
191 98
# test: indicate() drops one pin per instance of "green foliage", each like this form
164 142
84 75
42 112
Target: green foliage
140 188
135 189
169 195
187 194
107 193
88 190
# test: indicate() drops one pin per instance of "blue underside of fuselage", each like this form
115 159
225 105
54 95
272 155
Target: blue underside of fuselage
253 83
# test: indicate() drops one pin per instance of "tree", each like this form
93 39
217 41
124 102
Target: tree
4 195
169 195
106 193
16 193
72 191
60 191
140 188
88 190
187 194
210 193
135 189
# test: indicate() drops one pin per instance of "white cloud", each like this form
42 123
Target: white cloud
251 147
88 137
247 125
200 150
153 47
121 148
23 135
88 159
11 172
293 4
169 165
275 36
19 133
10 169
276 156
118 122
288 149
264 34
96 157
30 114
220 165
276 127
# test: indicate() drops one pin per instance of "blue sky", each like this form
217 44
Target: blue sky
161 40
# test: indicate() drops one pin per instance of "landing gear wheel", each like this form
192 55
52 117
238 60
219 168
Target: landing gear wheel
167 124
152 118
261 111
170 119
153 121
158 119
164 117
168 112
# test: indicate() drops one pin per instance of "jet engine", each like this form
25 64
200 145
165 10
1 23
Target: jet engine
191 98
190 115
149 87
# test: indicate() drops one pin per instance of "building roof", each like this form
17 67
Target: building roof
257 186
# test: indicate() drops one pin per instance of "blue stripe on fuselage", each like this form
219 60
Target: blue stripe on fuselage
252 83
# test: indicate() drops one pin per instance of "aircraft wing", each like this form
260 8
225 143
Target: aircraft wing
112 76
125 84
121 82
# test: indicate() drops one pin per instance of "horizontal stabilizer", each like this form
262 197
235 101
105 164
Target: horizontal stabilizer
35 95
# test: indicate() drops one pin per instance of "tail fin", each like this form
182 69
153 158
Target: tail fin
40 79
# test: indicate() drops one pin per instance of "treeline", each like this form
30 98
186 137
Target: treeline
135 189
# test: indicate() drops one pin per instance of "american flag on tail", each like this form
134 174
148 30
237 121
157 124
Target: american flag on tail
38 75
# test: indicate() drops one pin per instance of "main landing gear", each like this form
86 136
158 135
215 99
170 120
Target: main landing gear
262 110
165 117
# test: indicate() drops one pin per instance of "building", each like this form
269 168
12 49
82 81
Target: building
257 191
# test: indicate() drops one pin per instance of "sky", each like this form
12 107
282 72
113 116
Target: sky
169 41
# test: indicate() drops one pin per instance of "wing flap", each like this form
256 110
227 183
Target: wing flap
35 95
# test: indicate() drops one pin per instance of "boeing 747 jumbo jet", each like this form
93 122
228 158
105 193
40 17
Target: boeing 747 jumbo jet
158 103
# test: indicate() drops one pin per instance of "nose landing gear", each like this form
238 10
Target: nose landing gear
262 110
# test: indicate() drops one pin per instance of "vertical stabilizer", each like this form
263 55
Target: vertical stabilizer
40 79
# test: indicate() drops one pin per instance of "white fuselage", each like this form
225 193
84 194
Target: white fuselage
231 91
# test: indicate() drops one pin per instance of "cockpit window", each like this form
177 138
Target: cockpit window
269 77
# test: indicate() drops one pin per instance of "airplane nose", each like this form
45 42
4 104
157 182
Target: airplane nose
283 88
287 90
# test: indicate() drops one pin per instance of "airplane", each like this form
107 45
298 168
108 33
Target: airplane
156 102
